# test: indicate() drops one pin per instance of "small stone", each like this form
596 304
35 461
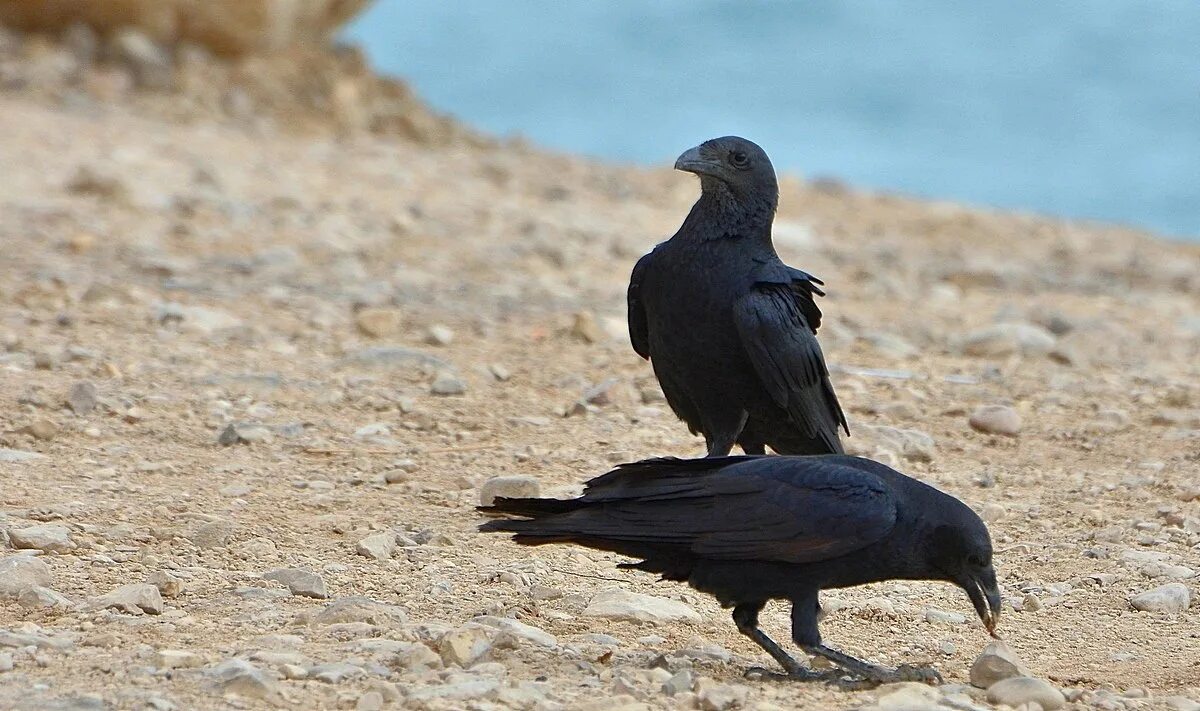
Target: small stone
636 607
394 357
895 443
360 609
243 433
890 344
335 672
377 546
196 319
134 599
236 491
586 329
541 592
1181 703
944 617
19 573
417 658
12 456
241 677
177 659
465 645
87 180
379 322
992 512
907 696
680 682
601 393
82 398
439 335
149 63
299 581
168 585
396 476
1030 603
447 383
212 534
1174 572
6 662
996 419
48 538
525 696
370 701
499 372
1005 339
374 429
42 597
512 629
722 697
293 671
455 691
44 430
1170 599
509 487
997 662
1109 421
1025 689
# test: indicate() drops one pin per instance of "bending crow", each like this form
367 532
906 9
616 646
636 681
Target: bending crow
751 529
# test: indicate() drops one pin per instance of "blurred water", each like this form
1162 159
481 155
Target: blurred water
1077 108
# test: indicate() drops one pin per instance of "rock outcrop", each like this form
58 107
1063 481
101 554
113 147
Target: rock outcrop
229 27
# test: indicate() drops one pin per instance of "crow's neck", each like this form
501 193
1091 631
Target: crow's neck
721 214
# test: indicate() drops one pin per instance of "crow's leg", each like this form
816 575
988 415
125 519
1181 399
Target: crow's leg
806 610
876 674
745 616
754 447
721 432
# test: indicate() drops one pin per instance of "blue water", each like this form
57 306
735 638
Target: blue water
1079 108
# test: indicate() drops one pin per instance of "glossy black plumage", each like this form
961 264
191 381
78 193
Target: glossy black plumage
729 329
751 529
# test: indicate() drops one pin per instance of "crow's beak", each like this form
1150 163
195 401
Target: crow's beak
985 596
692 162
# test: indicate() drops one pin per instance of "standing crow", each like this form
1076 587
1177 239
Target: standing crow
751 529
728 327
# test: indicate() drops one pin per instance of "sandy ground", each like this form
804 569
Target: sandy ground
199 274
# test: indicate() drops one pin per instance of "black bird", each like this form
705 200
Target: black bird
751 529
728 327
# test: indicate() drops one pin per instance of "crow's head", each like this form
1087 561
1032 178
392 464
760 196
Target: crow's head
732 165
958 549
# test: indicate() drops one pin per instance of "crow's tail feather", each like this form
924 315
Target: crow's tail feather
530 508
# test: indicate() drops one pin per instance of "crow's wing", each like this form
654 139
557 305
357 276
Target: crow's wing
780 343
784 509
805 286
639 327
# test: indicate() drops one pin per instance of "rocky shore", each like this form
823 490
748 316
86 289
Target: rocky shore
270 330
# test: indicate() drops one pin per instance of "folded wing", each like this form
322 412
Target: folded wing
783 509
782 347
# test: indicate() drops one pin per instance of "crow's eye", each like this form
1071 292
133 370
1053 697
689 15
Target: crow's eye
975 561
739 159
